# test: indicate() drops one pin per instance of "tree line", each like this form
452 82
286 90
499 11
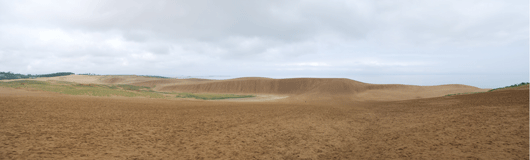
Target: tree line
9 75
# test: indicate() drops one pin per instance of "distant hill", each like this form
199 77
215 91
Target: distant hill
314 88
9 75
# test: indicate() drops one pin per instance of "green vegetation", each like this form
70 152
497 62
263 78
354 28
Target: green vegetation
22 82
55 74
463 93
211 96
515 85
9 75
108 90
132 88
81 89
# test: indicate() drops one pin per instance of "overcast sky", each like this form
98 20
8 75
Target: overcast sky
484 43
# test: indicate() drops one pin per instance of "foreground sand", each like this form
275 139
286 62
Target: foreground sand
41 125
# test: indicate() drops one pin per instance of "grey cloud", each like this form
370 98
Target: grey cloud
251 37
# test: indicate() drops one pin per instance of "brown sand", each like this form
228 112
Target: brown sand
320 119
311 88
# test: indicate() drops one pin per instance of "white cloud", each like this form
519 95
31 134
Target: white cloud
259 38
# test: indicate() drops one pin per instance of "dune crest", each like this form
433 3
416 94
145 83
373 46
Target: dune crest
296 88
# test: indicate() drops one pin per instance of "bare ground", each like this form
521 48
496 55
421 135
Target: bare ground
41 125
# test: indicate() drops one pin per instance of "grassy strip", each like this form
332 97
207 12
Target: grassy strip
83 89
463 93
512 86
131 87
108 90
211 96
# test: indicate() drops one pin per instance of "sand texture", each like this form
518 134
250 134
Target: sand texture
312 119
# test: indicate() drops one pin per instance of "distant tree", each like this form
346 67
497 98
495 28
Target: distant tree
56 74
9 75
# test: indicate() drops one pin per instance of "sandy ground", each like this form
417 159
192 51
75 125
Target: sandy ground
42 125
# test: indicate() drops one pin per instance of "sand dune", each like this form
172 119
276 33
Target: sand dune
298 118
296 88
321 87
274 86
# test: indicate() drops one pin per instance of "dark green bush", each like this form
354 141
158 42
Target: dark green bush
511 86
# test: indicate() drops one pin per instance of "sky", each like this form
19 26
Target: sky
483 43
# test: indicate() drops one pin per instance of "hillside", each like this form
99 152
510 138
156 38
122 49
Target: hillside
321 87
296 88
274 86
44 125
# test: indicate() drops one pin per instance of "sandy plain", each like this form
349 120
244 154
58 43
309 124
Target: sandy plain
313 119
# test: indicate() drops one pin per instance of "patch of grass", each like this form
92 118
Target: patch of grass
109 90
211 96
512 86
23 82
83 89
463 93
131 87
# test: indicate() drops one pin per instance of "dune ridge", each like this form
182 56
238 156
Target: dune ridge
296 88
274 86
322 87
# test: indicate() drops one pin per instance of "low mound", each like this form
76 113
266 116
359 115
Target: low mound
321 87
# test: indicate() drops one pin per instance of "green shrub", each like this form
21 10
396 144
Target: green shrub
511 86
9 75
131 87
211 96
463 93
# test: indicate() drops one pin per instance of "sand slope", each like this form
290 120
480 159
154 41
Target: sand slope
274 86
299 89
321 87
320 119
35 125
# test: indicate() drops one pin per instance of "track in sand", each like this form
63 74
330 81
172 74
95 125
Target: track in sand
320 119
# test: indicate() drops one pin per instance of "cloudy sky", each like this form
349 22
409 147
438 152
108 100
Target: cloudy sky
484 43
